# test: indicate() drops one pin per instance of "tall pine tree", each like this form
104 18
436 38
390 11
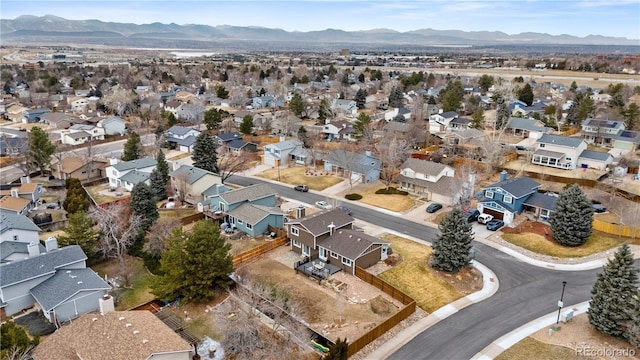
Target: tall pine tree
80 231
612 294
204 153
572 220
157 184
196 265
143 203
40 150
451 249
162 166
132 148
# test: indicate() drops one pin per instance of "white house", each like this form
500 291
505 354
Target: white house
286 152
127 174
441 122
79 134
558 151
113 125
183 138
433 180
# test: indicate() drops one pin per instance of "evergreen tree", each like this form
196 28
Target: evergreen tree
195 265
324 112
204 153
13 337
143 203
76 198
40 150
453 95
338 351
525 94
632 326
571 222
80 232
132 148
296 105
477 119
213 118
485 82
162 166
612 294
395 97
451 249
362 125
246 127
221 92
157 184
361 98
502 115
631 115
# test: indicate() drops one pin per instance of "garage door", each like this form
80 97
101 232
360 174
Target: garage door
494 213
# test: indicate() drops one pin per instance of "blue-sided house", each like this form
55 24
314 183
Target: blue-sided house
251 209
361 167
507 197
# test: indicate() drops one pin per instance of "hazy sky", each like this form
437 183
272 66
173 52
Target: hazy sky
574 17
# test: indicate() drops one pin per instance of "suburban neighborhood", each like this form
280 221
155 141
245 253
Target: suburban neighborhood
305 205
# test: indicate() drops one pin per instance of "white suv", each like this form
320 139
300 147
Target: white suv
484 218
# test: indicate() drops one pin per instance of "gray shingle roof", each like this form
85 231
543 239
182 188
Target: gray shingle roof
349 243
249 193
9 248
229 136
40 265
518 187
318 223
445 186
358 163
542 200
10 221
429 168
288 144
252 213
602 123
188 141
178 130
144 162
66 284
526 124
135 177
237 144
572 142
595 155
195 173
551 154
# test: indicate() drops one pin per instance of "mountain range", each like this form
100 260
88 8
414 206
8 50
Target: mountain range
56 30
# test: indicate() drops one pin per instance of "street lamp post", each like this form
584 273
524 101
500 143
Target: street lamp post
564 283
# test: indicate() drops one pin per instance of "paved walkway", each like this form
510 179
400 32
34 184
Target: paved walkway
490 281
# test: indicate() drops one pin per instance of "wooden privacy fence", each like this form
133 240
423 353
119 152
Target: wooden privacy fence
615 229
191 218
257 251
376 332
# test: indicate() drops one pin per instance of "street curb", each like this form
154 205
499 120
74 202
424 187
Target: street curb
508 340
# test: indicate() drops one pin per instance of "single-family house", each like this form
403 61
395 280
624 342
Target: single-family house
193 181
127 174
172 107
626 141
191 113
33 115
285 153
182 138
399 130
441 122
21 199
54 278
519 108
251 209
78 167
58 120
594 159
526 128
263 102
137 334
359 167
113 125
541 205
329 244
336 130
429 179
599 131
346 107
236 146
460 123
16 233
79 134
223 137
558 151
506 198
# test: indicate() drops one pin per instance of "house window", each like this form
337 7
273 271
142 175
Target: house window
295 231
296 243
346 261
249 226
488 194
84 172
508 199
323 253
306 250
15 237
568 159
114 172
334 255
221 206
542 145
232 220
240 222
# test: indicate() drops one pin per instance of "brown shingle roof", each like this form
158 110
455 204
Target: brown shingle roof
318 223
14 203
98 337
423 166
349 243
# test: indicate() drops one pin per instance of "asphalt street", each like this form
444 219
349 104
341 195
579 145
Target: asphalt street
526 292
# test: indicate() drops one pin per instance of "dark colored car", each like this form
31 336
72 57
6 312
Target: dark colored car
472 215
434 207
345 209
598 208
303 188
495 224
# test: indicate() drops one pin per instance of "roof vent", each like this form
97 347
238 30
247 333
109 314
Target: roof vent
136 331
68 271
145 341
128 325
72 276
94 319
121 318
79 282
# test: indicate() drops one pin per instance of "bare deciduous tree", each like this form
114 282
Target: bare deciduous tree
161 230
180 182
392 153
230 163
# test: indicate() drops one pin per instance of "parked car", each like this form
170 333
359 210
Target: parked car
434 207
303 188
495 224
323 205
598 208
485 218
345 209
472 215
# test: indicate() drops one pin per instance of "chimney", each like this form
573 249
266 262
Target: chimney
503 175
34 249
300 212
106 305
14 193
25 179
331 227
282 138
368 153
113 161
51 243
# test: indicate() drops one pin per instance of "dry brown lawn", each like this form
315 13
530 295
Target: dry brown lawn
298 175
390 202
414 277
525 350
539 244
139 292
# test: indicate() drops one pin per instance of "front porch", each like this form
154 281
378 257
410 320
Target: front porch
317 268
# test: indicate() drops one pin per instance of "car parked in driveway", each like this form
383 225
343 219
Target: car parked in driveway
598 208
495 224
472 215
434 207
485 218
303 188
323 205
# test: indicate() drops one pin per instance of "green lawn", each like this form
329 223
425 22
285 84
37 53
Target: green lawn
415 278
139 292
598 242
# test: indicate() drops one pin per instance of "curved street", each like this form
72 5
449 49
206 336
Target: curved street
526 292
